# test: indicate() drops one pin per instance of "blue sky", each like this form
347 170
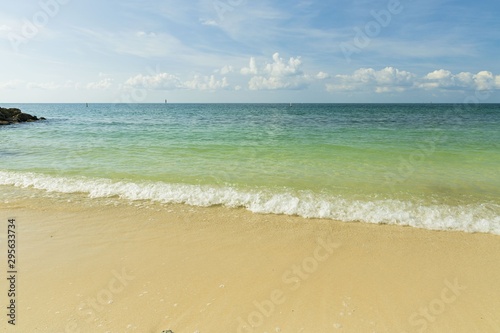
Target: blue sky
250 51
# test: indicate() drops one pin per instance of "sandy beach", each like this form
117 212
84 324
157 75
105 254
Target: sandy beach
90 268
234 166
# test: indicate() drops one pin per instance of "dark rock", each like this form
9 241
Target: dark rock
14 116
23 117
9 113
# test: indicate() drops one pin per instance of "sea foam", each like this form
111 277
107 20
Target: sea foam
483 218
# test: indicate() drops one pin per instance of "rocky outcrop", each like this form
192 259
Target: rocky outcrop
14 116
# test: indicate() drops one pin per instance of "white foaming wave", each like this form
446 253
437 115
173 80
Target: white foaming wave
470 218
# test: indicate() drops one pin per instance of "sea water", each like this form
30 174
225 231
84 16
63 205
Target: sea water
434 166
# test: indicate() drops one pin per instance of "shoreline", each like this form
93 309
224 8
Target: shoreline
147 269
448 216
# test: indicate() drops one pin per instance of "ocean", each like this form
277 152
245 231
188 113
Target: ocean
433 166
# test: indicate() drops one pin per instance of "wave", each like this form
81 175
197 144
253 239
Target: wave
483 217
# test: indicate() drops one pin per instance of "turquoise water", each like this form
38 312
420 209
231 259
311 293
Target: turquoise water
434 166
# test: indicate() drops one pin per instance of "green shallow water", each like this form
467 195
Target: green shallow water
370 149
418 153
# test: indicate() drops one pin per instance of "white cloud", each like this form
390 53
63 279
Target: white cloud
280 68
43 85
166 81
226 69
465 78
485 80
206 83
158 81
271 83
389 79
251 69
105 83
322 76
443 79
212 23
72 84
392 79
439 75
279 74
20 84
145 34
13 84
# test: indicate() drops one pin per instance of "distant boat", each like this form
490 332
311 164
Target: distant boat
290 104
165 101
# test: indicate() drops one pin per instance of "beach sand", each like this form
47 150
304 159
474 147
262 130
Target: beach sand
121 268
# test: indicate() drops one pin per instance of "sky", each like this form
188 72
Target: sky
261 51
